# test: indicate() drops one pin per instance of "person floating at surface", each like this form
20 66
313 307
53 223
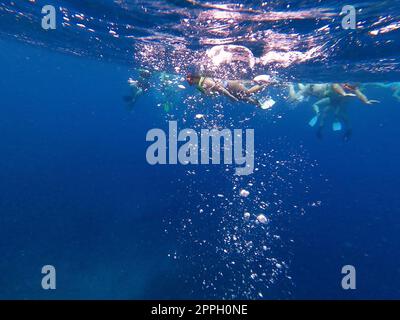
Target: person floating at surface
393 86
301 95
333 98
138 87
319 90
356 89
236 90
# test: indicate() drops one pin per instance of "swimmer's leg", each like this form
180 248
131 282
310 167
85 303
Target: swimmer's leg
340 91
321 109
292 93
396 94
343 116
255 89
337 123
252 101
302 87
241 90
318 106
295 97
383 85
222 90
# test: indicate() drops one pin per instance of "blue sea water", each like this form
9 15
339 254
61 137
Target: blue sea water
76 191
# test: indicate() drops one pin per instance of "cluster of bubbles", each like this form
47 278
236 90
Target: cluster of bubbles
231 243
233 237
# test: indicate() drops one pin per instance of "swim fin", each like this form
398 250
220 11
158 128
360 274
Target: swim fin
337 126
269 103
313 121
167 106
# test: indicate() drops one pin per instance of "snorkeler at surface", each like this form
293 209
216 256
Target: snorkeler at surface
393 86
138 87
333 98
236 90
356 89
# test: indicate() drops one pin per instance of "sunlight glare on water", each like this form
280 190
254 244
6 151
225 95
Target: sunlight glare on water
253 37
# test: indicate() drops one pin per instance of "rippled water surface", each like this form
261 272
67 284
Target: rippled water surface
297 39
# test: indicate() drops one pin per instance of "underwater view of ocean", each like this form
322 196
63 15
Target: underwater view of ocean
190 149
